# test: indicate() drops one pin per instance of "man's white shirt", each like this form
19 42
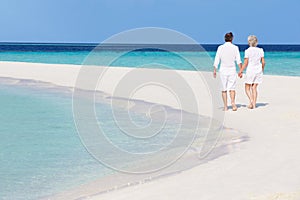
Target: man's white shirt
229 55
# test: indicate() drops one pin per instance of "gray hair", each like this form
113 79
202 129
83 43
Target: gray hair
252 41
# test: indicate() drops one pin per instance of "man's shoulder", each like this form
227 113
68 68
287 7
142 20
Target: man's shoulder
221 46
234 45
230 45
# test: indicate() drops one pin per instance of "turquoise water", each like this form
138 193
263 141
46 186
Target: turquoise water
278 63
40 150
40 153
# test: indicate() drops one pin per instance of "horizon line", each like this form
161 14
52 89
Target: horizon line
95 43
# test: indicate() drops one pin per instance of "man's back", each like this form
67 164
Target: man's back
228 54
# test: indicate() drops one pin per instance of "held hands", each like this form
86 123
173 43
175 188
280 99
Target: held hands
240 74
242 67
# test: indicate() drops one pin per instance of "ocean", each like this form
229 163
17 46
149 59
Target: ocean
41 153
281 59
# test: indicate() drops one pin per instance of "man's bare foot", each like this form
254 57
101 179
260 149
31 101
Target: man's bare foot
250 106
234 107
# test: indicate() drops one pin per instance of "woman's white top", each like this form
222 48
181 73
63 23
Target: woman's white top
254 55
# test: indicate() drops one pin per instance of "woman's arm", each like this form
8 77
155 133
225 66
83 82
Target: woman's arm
263 63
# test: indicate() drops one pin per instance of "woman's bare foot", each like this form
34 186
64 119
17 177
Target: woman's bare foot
254 105
234 107
225 108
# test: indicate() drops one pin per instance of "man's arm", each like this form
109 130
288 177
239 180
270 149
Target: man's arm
215 72
216 63
240 65
238 58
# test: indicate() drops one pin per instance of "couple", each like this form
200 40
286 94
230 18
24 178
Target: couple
228 55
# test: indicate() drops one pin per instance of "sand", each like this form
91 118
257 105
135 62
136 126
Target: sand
265 167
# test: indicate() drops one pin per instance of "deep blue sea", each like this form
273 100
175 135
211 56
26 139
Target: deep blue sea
40 150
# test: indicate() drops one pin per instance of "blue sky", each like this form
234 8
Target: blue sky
273 21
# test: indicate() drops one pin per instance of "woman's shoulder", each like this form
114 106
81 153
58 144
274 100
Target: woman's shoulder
259 48
255 49
249 49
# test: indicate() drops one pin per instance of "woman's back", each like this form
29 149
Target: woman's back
254 55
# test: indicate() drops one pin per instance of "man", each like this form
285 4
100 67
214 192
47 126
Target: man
228 55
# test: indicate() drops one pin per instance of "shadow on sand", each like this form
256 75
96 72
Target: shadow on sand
245 106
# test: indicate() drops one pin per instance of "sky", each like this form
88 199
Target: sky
206 21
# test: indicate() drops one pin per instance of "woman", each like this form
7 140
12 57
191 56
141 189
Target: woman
255 64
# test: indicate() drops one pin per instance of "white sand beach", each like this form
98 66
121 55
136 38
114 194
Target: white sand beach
265 167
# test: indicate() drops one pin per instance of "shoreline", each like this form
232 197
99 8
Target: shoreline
127 67
66 75
266 165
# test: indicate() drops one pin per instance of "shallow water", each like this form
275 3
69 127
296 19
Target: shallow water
42 154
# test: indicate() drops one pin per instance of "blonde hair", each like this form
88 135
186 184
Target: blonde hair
252 41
